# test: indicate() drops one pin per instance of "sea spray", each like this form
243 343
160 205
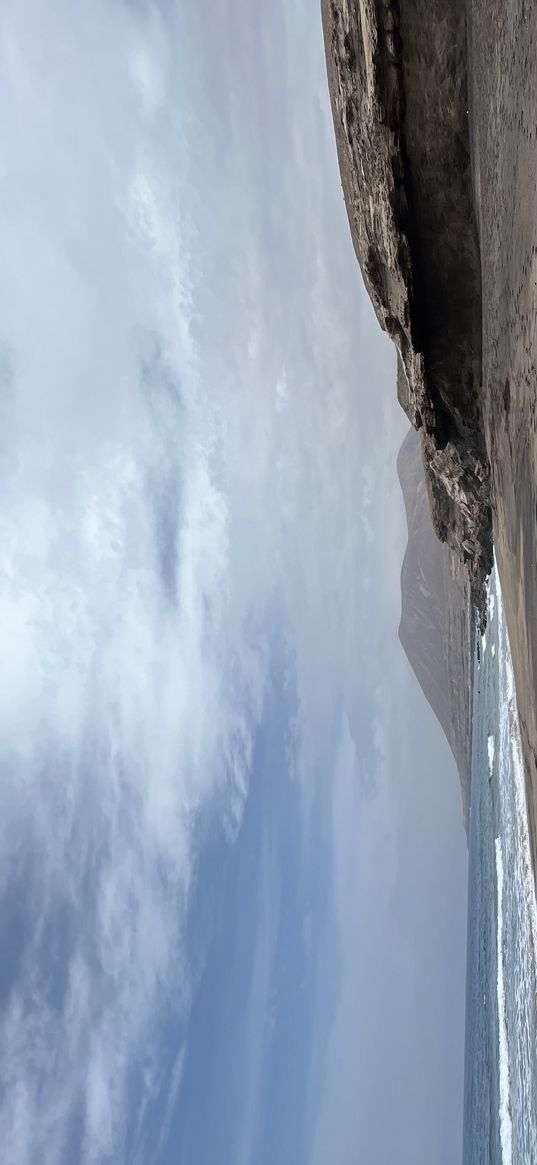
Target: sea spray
506 1124
500 1116
510 725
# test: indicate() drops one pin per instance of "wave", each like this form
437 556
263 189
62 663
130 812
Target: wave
510 734
506 1124
491 748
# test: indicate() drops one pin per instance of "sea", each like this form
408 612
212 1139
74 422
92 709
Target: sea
500 1091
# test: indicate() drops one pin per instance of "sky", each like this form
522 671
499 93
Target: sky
232 857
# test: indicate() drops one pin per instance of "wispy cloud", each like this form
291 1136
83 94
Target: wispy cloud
127 704
180 454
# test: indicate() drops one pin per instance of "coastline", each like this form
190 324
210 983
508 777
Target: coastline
500 1094
479 443
397 83
503 109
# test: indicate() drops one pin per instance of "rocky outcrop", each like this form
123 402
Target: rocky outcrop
436 621
397 79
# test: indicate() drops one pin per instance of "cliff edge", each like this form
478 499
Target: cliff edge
397 80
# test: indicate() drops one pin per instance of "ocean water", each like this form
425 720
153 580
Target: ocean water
500 1103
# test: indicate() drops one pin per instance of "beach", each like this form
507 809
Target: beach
503 125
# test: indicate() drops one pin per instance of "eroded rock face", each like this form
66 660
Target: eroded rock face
436 617
397 79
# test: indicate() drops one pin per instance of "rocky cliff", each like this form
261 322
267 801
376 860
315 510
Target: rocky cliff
436 620
397 80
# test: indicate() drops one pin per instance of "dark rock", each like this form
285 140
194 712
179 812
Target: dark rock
397 79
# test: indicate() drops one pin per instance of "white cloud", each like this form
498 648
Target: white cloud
126 706
156 507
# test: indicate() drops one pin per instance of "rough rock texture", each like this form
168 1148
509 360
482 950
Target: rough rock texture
436 621
397 80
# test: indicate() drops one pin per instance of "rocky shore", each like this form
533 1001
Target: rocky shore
397 74
448 253
503 122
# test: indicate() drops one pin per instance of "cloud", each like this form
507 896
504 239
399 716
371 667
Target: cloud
189 391
131 684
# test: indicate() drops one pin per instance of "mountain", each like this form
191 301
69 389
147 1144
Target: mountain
436 615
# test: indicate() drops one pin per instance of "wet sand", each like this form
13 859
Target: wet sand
503 124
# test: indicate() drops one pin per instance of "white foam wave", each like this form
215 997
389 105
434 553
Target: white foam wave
491 605
510 732
517 916
491 751
519 787
506 1124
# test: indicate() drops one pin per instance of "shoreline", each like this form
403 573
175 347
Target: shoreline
484 453
503 104
397 83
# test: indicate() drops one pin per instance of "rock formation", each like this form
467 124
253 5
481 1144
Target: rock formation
436 615
397 79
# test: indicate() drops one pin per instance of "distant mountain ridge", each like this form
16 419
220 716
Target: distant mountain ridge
436 614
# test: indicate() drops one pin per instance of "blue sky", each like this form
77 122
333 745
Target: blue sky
232 859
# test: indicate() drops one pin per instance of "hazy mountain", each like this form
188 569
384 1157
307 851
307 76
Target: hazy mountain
435 627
